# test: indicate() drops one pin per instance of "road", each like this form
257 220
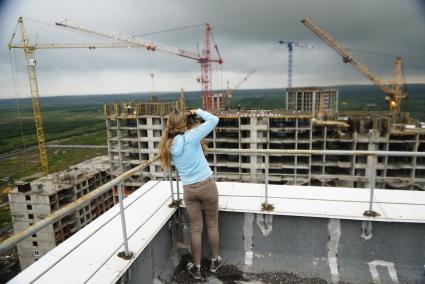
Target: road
76 146
9 154
50 145
12 153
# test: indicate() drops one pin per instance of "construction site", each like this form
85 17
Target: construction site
309 120
32 201
133 137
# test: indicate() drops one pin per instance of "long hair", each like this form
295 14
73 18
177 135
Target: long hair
176 124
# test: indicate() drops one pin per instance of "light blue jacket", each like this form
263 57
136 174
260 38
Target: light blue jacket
186 151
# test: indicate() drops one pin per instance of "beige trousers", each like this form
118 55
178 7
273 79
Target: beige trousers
198 197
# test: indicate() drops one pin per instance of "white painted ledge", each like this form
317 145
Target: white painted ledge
90 256
324 202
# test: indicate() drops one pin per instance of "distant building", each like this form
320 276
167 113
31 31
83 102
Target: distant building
315 100
32 201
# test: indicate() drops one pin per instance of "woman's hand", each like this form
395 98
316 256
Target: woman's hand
192 111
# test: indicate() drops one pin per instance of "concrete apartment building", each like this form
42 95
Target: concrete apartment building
315 100
32 201
311 121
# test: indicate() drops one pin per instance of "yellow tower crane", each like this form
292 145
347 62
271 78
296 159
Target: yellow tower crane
393 89
29 49
229 92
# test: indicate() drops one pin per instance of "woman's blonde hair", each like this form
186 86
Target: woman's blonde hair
177 123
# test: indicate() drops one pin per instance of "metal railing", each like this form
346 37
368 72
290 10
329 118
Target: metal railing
76 205
266 206
276 152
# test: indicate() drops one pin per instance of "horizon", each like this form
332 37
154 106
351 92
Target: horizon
159 93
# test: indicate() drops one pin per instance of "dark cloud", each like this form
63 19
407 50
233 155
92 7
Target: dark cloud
246 31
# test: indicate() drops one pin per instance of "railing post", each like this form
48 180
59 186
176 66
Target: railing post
266 205
126 254
178 187
174 202
372 183
170 177
266 178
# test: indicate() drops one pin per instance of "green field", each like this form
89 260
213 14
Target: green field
59 121
66 121
4 215
25 165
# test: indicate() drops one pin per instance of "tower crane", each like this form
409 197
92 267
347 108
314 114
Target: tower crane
229 92
205 58
290 45
392 89
29 49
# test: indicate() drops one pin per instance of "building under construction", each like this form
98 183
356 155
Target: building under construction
32 201
311 122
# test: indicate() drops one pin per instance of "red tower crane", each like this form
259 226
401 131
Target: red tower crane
205 58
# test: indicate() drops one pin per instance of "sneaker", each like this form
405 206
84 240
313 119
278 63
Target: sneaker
194 270
215 264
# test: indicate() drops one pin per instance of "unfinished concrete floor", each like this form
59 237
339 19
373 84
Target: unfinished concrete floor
230 274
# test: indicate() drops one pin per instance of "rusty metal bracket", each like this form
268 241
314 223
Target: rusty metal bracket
372 213
175 203
122 255
267 206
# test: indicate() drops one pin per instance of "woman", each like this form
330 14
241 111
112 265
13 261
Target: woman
183 147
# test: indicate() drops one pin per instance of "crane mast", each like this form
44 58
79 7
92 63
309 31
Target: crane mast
31 63
394 92
290 45
204 59
206 72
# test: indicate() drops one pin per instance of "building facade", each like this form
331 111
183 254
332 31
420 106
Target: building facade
317 101
134 138
32 201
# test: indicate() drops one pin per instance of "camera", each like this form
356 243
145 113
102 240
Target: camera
191 118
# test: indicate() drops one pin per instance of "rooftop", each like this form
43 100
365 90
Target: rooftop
55 182
310 88
93 250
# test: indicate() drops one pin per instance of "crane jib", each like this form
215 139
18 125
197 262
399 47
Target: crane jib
394 92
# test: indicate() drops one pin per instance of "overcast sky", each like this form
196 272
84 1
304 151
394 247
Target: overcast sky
246 32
